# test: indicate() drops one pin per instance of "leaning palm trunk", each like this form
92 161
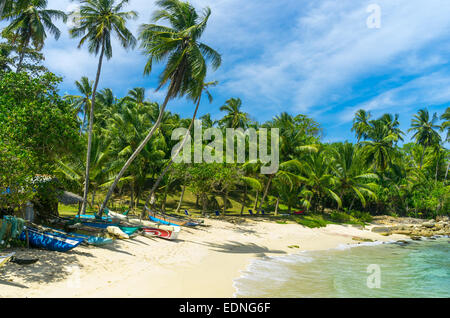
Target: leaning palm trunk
181 199
265 193
158 181
446 172
91 124
276 205
243 201
256 200
135 154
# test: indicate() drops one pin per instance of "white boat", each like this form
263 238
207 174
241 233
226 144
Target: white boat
5 258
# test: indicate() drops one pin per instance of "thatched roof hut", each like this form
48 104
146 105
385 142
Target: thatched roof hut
69 198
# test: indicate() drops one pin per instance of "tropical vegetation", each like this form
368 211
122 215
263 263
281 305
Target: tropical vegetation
117 150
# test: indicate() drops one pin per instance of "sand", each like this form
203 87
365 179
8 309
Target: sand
202 263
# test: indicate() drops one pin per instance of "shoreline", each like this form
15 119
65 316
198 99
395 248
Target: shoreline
203 263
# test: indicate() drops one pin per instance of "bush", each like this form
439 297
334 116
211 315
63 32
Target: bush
343 217
312 221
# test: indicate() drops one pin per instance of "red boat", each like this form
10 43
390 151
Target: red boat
165 234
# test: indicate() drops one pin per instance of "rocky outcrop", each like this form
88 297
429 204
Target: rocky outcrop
415 228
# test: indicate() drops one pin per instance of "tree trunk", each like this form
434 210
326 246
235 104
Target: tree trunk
421 158
136 204
225 199
243 201
196 200
256 200
136 153
22 55
84 121
93 197
131 198
163 203
446 172
181 199
91 123
205 203
158 181
265 193
276 206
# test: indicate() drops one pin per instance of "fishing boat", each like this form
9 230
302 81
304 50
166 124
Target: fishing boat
165 234
93 217
170 220
87 239
5 258
116 216
50 241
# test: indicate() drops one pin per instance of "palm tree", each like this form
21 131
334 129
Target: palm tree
425 130
186 56
361 124
234 118
82 103
73 169
205 89
96 22
446 124
6 6
29 22
348 169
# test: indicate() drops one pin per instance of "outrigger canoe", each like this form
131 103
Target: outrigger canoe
87 239
169 220
49 240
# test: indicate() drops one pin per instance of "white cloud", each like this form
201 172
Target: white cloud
331 49
434 90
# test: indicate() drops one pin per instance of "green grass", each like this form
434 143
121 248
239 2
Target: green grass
311 220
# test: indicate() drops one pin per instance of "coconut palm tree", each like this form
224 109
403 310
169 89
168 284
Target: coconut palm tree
82 102
348 169
425 130
186 56
234 118
6 7
446 124
205 89
361 124
96 22
30 22
73 170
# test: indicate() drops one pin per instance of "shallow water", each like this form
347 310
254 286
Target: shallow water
416 269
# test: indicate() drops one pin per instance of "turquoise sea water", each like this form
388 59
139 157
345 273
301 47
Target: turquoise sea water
416 269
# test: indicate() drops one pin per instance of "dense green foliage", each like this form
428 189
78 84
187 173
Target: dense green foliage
38 127
129 138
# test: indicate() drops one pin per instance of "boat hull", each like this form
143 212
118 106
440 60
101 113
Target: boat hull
165 234
51 242
169 220
6 258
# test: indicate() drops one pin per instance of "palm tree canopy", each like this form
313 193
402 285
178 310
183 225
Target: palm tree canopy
446 124
179 43
425 130
98 20
234 118
30 21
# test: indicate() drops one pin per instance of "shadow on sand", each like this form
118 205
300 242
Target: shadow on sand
242 248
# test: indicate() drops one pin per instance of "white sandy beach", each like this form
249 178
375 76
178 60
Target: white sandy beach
202 263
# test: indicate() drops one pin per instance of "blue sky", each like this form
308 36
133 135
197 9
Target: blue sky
317 58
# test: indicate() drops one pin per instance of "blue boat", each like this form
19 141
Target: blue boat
88 239
93 217
50 241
